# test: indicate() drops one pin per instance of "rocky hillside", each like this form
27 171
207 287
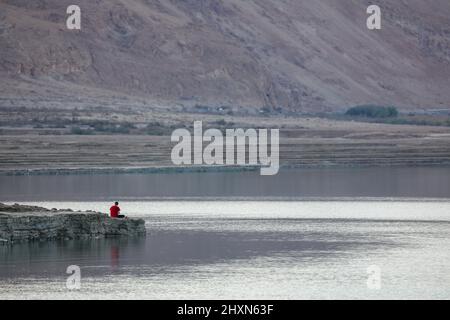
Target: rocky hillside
307 56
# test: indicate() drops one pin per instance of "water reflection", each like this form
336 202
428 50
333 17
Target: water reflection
210 258
43 259
115 256
344 182
170 248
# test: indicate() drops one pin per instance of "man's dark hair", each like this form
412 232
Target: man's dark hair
116 203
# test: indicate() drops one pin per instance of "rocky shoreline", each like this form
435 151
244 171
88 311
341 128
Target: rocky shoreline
19 223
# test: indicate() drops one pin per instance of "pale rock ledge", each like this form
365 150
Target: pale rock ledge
20 223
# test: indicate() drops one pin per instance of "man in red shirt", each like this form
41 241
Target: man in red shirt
115 210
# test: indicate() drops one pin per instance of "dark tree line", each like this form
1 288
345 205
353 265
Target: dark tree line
373 111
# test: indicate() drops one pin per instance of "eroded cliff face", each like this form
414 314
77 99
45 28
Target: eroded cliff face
297 55
26 223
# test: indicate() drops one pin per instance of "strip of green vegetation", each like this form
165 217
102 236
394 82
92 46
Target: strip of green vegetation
387 115
390 115
372 111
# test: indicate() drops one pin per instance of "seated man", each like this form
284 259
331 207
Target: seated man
115 210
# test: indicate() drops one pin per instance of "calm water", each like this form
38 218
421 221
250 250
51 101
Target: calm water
429 182
244 249
248 250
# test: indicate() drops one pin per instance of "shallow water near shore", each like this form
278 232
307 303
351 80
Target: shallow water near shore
246 250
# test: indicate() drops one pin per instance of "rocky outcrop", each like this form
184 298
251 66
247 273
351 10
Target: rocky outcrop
28 223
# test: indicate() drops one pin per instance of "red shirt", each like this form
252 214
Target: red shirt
114 210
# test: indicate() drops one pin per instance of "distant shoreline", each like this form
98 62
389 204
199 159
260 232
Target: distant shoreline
120 170
195 169
246 199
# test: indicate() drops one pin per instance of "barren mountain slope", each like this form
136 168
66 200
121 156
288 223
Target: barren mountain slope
298 55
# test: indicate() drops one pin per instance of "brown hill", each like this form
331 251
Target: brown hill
298 55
